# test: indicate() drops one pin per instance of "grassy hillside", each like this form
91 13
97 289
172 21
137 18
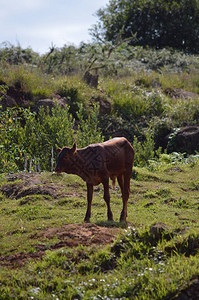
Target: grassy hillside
155 256
142 94
46 252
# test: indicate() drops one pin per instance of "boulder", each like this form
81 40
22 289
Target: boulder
8 101
50 103
91 79
185 140
105 106
158 229
180 93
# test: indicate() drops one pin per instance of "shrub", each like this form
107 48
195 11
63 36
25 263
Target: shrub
88 131
36 141
46 132
140 104
144 150
129 106
11 138
16 55
72 96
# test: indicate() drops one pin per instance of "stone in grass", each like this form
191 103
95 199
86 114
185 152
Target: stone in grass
158 229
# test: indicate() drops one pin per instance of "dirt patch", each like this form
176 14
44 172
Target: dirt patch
19 191
70 235
29 184
19 259
85 234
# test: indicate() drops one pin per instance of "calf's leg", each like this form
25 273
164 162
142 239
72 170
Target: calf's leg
107 199
120 180
125 196
89 201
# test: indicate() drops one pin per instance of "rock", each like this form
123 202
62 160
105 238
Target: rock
185 140
91 79
62 102
50 103
8 101
105 106
180 93
191 292
46 103
157 230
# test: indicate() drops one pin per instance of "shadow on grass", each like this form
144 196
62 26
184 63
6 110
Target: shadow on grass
111 224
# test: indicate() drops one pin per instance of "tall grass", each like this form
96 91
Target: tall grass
184 111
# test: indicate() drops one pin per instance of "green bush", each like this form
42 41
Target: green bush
185 112
11 139
88 131
129 106
17 55
141 103
72 96
33 145
144 150
44 133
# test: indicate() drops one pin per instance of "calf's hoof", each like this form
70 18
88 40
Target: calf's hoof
123 218
110 216
87 220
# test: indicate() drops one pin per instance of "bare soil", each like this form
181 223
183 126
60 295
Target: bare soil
70 235
24 184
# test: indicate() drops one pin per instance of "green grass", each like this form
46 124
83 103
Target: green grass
138 265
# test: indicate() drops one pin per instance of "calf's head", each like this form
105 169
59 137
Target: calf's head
64 158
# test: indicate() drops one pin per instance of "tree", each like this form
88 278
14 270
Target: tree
156 23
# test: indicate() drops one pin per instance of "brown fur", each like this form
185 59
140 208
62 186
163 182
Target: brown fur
97 163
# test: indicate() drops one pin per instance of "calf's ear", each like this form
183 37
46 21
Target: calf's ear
59 150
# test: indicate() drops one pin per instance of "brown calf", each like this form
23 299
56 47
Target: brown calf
96 164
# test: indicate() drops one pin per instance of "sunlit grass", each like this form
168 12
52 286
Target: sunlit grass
137 265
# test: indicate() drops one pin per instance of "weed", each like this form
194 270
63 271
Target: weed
163 192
